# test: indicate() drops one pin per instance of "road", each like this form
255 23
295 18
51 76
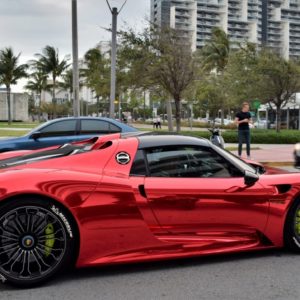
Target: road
258 275
272 274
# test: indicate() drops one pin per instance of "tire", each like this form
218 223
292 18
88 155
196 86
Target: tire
36 241
292 227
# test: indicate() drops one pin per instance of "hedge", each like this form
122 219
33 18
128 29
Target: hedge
258 136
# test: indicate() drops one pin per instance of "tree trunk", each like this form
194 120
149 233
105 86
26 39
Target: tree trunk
144 112
39 106
177 113
169 114
98 105
54 99
8 93
278 118
222 114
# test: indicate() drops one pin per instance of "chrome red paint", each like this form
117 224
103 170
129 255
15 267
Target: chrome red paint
179 217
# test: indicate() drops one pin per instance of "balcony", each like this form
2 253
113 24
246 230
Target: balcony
207 8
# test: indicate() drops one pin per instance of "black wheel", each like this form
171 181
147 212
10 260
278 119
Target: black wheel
292 227
36 241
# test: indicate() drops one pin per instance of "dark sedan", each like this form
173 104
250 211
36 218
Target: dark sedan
64 130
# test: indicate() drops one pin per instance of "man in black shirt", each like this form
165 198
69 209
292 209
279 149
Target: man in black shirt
243 119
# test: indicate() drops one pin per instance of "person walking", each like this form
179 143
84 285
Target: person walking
158 122
243 119
154 123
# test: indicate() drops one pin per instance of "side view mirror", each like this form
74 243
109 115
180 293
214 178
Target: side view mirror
35 135
250 178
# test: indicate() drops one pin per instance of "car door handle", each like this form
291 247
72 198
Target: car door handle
235 189
142 190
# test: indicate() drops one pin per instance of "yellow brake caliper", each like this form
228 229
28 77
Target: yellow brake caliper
50 239
297 225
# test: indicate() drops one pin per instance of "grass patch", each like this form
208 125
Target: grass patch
18 125
12 133
258 136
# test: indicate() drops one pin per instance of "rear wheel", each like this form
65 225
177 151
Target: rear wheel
292 227
36 241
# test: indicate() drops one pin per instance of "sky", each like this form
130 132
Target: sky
29 25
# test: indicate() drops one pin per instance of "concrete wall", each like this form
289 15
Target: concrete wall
19 107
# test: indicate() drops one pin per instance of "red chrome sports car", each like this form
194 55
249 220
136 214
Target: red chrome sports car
115 200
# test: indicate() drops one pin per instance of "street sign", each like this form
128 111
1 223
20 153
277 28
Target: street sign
256 104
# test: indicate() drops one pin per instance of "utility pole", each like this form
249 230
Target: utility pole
113 63
114 11
76 107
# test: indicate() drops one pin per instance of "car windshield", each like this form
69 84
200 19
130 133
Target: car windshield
237 161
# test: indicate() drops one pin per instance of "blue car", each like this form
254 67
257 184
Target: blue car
64 130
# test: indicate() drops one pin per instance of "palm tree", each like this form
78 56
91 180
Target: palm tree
216 52
67 83
215 55
10 73
50 64
96 74
38 84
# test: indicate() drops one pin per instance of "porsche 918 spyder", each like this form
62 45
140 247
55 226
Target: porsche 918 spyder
116 199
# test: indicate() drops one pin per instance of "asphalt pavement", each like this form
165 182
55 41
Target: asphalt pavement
272 274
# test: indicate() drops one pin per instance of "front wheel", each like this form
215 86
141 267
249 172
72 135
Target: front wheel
292 227
36 241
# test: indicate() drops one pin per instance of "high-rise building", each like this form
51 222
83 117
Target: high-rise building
274 23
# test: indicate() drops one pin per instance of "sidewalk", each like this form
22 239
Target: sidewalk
277 154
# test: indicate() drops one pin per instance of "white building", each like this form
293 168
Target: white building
274 23
19 106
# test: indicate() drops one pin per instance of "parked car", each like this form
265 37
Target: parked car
64 130
218 121
261 124
297 155
120 200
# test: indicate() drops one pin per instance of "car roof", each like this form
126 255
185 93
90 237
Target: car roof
150 141
117 123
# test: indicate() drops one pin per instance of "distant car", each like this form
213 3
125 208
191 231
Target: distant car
64 130
297 155
218 121
261 124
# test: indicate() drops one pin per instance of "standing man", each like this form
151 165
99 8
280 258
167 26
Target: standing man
243 119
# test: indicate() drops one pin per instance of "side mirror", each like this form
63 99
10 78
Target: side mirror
250 178
35 135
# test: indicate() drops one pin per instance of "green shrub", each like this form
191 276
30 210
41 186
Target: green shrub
258 136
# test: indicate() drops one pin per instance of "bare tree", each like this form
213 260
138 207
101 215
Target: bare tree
162 57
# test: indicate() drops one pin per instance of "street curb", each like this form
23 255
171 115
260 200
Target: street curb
277 163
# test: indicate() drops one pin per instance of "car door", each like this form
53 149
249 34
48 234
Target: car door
193 190
57 133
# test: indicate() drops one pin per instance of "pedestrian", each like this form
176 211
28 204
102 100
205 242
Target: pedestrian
154 123
158 122
243 119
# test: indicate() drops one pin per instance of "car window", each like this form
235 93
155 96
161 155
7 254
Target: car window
98 126
190 162
59 128
139 165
